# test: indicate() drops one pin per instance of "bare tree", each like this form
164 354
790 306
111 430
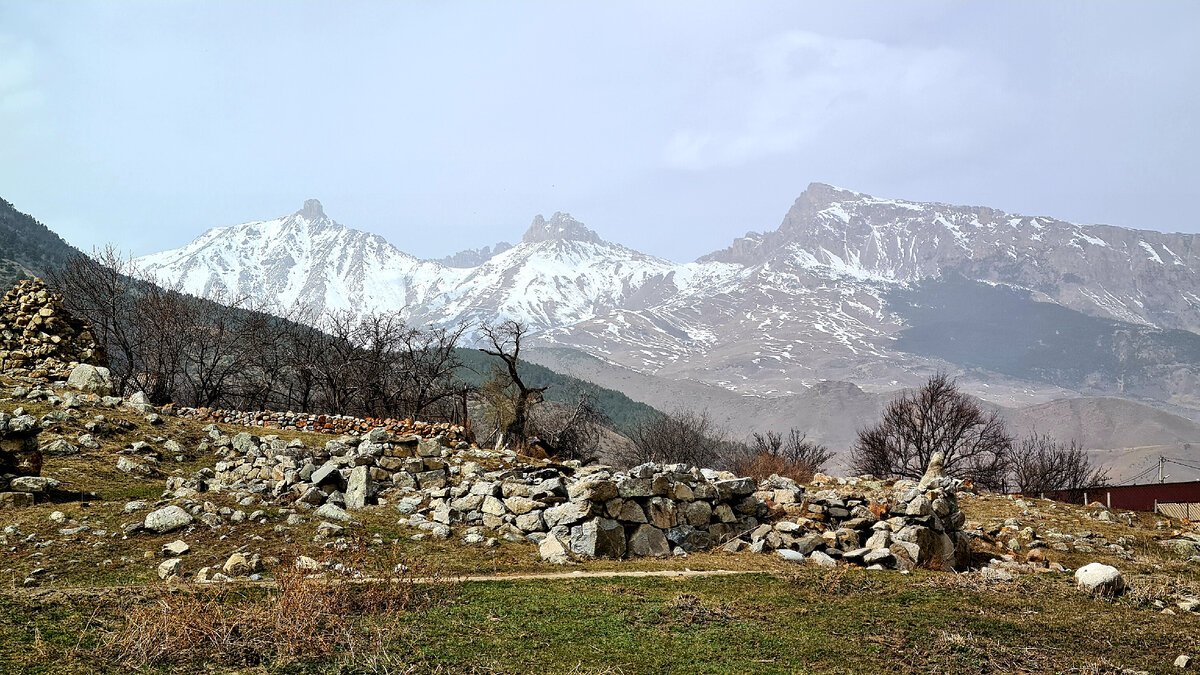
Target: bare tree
337 364
428 363
100 288
570 432
682 436
505 343
219 347
936 418
380 339
1042 465
301 344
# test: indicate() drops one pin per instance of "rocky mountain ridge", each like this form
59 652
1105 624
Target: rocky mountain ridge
836 292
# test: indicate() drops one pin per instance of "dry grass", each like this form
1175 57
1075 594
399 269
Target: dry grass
306 616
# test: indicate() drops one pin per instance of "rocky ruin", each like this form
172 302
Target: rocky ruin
39 338
20 461
593 511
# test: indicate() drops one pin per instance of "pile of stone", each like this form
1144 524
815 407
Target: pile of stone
21 462
323 424
865 522
40 339
593 511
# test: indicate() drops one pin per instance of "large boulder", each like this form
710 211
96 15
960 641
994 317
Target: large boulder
91 379
167 519
34 484
647 540
552 550
1100 579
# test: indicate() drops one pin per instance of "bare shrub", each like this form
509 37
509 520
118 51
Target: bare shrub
682 436
793 457
1043 465
936 418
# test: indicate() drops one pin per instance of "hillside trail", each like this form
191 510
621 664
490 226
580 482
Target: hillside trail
51 593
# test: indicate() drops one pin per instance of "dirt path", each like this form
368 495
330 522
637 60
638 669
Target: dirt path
50 593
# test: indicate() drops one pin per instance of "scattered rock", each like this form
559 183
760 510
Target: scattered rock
170 568
91 379
333 512
176 548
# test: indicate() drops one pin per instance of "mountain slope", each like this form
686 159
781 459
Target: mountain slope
1002 329
27 247
819 298
1141 276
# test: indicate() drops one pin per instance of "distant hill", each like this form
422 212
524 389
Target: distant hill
27 247
1005 330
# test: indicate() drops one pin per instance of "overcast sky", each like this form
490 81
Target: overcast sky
669 127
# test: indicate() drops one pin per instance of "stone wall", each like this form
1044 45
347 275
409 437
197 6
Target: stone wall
322 424
20 462
593 511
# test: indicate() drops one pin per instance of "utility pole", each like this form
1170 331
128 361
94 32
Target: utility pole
1161 462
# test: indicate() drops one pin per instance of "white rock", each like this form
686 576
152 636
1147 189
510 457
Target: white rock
1099 579
170 568
789 554
168 518
333 512
176 548
822 559
553 550
91 379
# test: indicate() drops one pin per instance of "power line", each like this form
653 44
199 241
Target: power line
1130 481
1182 463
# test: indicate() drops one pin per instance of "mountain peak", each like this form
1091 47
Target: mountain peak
560 227
821 193
312 210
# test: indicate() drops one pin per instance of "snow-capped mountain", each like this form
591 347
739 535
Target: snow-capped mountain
559 274
816 299
837 292
1140 276
304 259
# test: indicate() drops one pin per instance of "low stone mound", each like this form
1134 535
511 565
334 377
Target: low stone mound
323 424
39 338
